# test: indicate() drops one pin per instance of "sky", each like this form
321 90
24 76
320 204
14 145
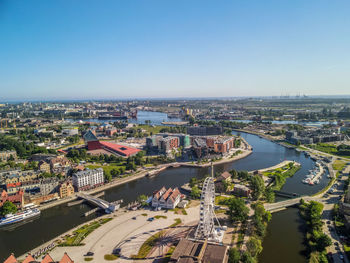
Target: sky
115 49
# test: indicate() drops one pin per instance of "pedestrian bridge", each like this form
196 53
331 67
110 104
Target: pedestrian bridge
273 207
103 204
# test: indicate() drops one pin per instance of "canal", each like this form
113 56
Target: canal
59 219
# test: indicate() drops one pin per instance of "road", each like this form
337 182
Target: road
329 227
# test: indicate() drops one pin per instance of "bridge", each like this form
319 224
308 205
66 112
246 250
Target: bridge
286 194
103 204
274 207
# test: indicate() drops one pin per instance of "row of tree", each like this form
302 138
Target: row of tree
316 240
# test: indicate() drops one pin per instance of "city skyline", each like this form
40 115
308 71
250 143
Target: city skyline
119 50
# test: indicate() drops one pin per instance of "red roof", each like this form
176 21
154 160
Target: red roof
66 259
11 259
29 259
13 185
47 259
120 149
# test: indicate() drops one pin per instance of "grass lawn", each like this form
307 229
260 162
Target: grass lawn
148 245
82 232
177 222
179 211
106 169
327 148
110 257
221 200
339 165
149 129
159 216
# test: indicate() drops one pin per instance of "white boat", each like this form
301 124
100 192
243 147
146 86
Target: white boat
18 217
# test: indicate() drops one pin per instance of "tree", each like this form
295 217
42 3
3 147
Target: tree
254 246
107 176
8 208
269 195
323 241
248 258
238 211
234 173
258 186
142 199
193 181
234 256
195 193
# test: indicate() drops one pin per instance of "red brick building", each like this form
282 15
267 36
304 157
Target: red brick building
17 199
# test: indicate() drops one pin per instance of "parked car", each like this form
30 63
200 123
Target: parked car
150 219
89 254
134 218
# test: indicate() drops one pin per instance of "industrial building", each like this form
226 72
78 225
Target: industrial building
95 144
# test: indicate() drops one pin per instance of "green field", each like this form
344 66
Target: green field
82 232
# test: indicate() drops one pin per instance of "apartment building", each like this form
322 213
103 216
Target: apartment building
88 179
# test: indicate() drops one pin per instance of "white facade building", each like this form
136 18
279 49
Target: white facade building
167 199
87 179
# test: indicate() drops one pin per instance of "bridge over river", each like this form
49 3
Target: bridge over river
274 207
103 204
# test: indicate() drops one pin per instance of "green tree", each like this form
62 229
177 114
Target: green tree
196 192
8 208
234 256
269 195
142 199
254 246
323 241
258 186
238 211
193 181
107 176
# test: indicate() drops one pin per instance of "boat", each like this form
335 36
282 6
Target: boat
19 217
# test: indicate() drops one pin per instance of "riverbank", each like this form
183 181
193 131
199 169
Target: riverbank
151 172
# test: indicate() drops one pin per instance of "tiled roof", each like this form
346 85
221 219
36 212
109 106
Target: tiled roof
66 259
174 194
167 193
29 259
11 259
47 259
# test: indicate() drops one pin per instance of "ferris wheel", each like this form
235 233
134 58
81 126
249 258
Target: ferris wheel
206 229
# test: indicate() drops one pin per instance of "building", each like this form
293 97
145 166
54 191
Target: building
46 259
200 147
18 176
7 155
188 251
204 130
60 165
44 166
168 143
65 189
241 190
88 179
314 136
48 186
121 150
17 198
224 177
70 132
167 199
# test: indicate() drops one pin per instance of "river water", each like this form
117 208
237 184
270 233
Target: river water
59 219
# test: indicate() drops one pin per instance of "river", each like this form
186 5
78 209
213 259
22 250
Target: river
59 219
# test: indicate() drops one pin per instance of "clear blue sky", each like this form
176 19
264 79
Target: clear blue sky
173 48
